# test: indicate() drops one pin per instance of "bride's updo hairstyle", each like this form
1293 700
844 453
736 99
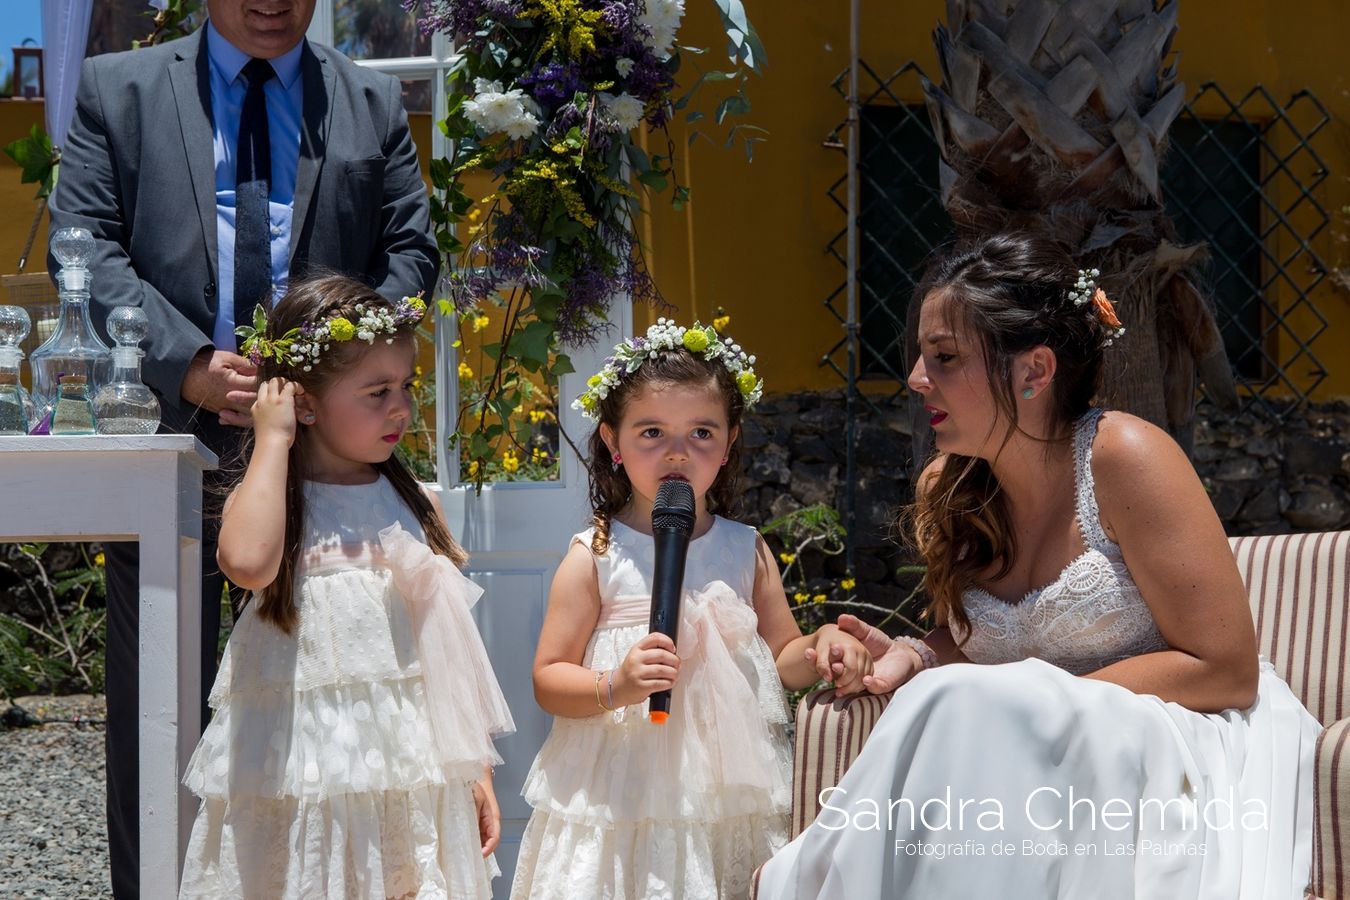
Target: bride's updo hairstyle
1008 293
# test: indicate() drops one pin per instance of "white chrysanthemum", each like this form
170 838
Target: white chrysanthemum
662 20
624 66
522 126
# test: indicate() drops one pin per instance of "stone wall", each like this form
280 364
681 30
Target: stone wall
1262 476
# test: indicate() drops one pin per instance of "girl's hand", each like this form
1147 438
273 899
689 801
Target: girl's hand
274 410
489 814
649 667
840 658
894 663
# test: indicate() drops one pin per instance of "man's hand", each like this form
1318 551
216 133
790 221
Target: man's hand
224 383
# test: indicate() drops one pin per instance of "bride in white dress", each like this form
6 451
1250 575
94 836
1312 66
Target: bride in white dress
1118 736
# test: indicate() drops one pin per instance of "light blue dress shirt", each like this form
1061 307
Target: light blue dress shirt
285 95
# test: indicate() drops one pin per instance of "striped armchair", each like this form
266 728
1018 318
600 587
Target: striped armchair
1299 587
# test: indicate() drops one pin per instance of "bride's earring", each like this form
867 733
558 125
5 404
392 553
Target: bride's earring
309 418
1027 394
616 461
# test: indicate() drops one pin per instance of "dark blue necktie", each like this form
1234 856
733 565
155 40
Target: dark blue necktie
252 185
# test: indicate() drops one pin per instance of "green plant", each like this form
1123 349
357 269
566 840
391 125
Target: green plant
816 601
545 97
58 645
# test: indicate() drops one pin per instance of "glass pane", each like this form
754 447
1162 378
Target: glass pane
377 29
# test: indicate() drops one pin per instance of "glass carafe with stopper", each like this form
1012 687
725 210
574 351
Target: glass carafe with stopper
74 348
125 405
16 409
73 412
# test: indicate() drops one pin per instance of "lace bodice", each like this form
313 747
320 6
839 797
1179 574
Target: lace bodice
1090 616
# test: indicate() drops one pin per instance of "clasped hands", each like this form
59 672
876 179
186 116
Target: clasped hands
888 664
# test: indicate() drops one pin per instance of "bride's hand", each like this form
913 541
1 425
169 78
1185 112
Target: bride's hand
893 663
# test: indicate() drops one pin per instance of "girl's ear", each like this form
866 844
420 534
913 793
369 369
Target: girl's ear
735 433
304 412
610 438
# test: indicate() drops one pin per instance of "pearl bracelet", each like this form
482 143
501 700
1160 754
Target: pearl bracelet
927 658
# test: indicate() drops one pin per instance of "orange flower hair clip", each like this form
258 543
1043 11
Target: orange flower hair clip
1085 291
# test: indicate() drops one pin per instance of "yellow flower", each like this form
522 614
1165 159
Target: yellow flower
593 381
539 455
848 584
99 560
537 416
721 322
818 599
746 381
696 340
473 469
416 303
417 370
787 558
518 410
474 214
465 373
340 329
479 323
510 463
800 598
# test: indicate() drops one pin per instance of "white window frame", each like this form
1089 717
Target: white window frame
434 68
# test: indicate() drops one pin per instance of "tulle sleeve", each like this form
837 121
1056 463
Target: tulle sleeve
464 701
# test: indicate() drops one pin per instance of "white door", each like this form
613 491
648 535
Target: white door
516 534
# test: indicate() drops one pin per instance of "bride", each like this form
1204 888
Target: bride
1117 736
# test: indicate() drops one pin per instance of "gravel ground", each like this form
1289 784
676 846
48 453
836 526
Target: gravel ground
53 840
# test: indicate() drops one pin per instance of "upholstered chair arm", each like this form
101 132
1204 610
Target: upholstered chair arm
1331 810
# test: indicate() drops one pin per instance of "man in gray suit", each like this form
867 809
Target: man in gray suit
211 170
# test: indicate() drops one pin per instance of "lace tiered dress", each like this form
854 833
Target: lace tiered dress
340 760
1041 784
628 810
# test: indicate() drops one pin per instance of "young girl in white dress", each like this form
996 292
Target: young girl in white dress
349 753
1118 737
626 809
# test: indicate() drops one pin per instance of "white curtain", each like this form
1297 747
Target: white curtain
65 32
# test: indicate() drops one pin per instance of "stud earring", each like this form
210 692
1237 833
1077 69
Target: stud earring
724 460
617 461
1026 394
309 418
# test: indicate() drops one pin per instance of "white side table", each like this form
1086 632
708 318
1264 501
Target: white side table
147 489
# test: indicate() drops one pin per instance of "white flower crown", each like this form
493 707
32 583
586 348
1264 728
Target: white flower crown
663 337
300 347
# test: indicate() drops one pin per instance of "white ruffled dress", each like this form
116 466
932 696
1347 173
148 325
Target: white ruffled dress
628 810
339 764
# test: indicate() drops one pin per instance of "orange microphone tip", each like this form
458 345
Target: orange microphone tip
659 717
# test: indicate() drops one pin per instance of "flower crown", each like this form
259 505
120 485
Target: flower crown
666 336
1085 291
300 347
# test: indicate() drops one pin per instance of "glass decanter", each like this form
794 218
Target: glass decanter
16 408
74 347
125 405
73 412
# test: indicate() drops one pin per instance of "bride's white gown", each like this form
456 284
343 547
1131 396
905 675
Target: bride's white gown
1041 784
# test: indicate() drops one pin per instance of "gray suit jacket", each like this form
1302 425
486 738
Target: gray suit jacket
138 170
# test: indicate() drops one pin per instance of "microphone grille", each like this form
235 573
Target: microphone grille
674 506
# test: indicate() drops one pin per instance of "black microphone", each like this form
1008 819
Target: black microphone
672 524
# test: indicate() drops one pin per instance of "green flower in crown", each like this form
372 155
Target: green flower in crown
664 337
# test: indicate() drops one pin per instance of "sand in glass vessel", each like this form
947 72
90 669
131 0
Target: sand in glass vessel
74 348
16 408
125 405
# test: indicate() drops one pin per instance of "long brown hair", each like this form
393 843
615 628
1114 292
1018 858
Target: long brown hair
1008 293
316 300
610 487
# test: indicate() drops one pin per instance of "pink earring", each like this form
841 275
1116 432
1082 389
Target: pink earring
617 461
724 460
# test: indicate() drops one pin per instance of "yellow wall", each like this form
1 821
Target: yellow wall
17 117
753 238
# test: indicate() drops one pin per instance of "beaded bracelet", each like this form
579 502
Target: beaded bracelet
927 658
